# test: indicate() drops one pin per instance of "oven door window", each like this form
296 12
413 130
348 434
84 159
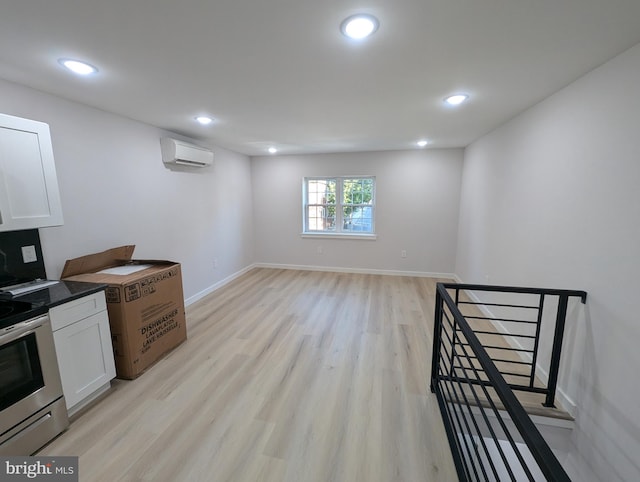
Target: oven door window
20 371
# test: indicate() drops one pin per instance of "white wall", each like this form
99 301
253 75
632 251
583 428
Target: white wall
552 199
417 210
115 190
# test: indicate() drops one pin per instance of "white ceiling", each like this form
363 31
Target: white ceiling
278 72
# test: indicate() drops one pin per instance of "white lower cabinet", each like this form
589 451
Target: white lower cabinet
83 347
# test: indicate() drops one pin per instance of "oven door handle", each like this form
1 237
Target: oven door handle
22 329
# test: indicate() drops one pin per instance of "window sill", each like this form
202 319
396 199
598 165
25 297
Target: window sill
367 237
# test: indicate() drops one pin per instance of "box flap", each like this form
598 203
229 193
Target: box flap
161 262
95 262
125 269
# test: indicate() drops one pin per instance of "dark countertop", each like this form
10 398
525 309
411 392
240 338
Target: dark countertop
42 300
62 292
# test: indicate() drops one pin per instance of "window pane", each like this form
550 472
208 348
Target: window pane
321 218
357 219
367 191
321 191
348 188
330 191
357 191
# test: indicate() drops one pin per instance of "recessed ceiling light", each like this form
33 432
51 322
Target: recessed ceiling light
78 67
456 99
204 120
359 26
422 143
273 150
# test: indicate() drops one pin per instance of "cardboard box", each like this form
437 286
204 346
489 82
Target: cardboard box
145 304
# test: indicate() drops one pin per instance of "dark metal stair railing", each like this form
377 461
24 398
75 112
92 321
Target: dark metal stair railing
489 441
537 309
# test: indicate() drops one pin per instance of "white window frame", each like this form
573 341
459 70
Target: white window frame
339 220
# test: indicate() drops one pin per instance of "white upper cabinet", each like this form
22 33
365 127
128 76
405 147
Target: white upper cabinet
29 196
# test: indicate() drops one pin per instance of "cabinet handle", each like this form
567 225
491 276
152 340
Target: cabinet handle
1 217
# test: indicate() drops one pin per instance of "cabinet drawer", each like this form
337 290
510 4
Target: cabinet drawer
76 310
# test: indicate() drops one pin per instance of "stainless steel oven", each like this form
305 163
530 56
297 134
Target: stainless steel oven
32 407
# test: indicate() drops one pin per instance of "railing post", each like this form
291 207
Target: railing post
437 327
554 366
455 338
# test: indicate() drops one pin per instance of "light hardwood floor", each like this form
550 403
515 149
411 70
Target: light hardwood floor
285 376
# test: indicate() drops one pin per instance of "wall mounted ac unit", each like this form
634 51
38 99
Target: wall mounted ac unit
184 154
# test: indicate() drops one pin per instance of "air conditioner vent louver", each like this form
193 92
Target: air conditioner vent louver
175 152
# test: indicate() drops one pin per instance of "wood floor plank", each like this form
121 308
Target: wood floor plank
286 375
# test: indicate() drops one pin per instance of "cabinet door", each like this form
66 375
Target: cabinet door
85 357
29 196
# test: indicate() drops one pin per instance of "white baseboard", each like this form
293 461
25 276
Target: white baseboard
335 269
218 285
